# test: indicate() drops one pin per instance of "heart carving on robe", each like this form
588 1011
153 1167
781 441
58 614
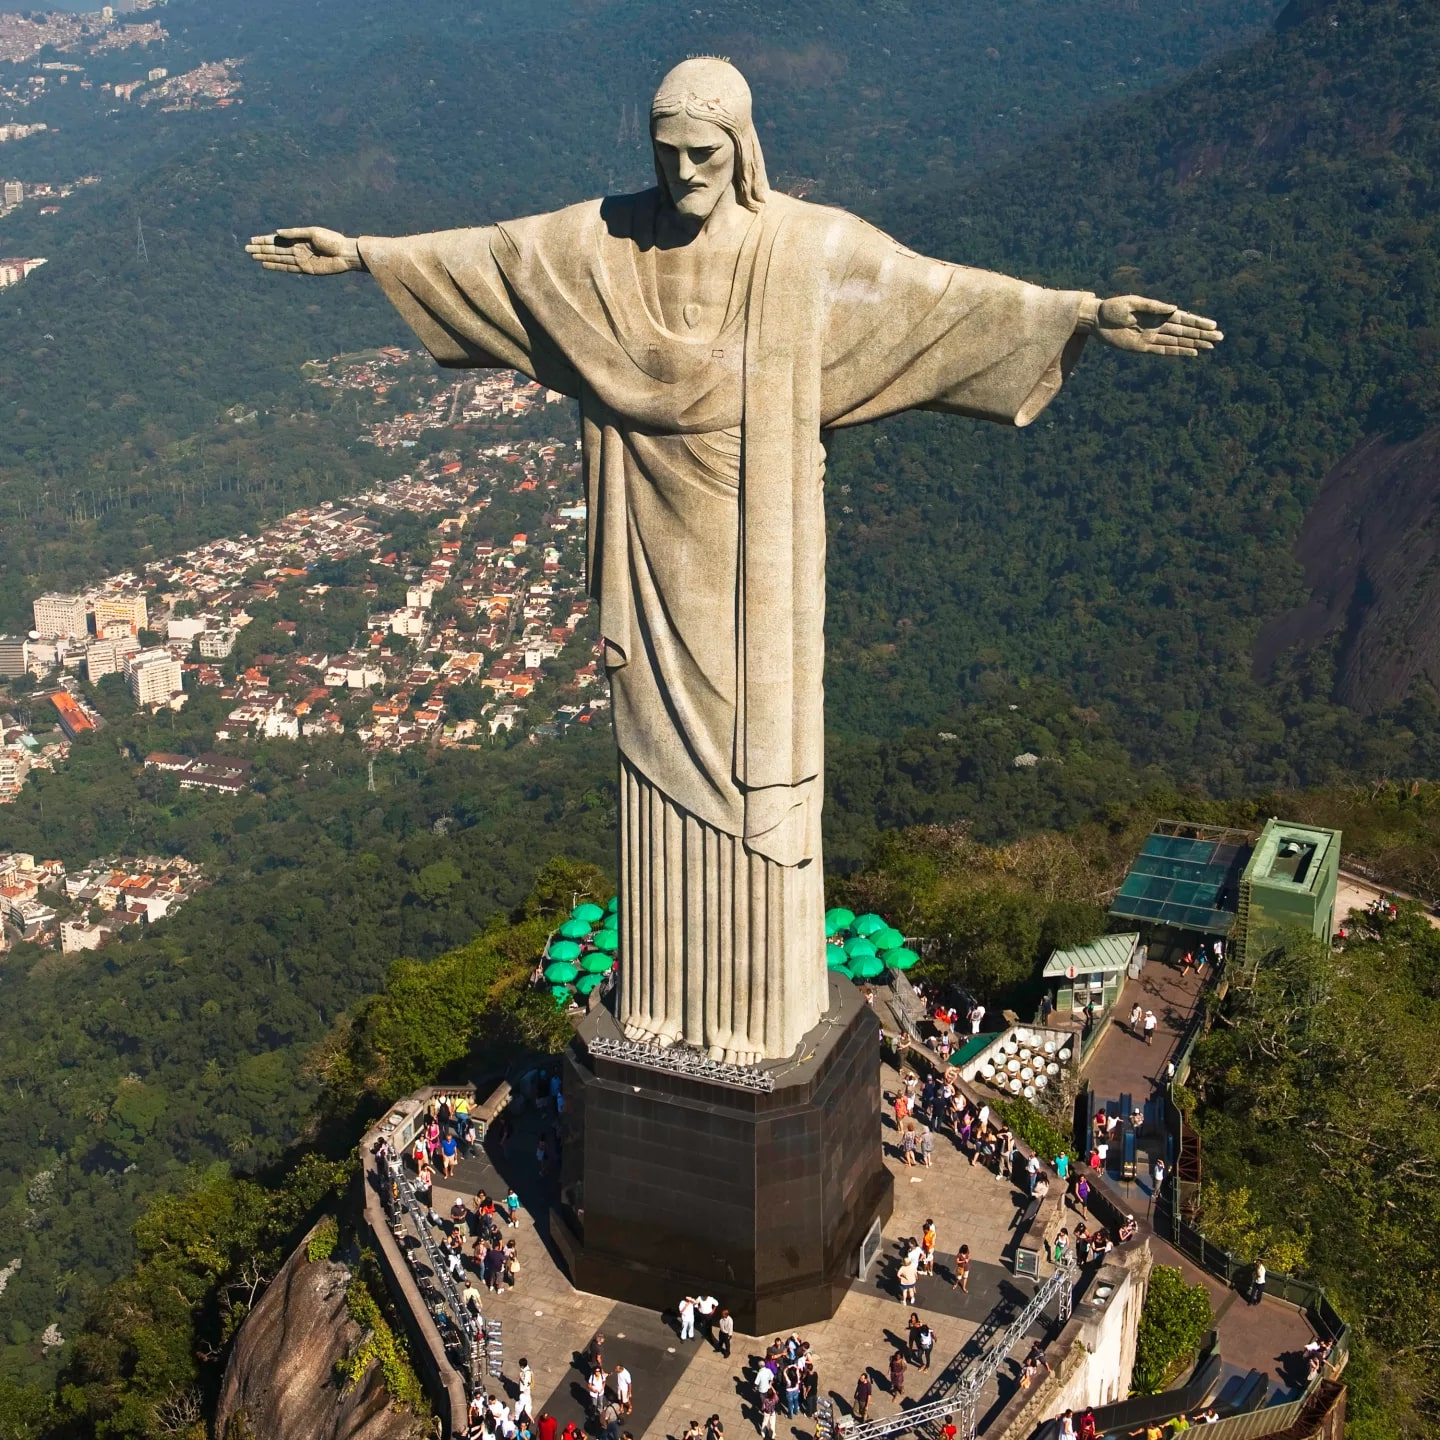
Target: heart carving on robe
691 312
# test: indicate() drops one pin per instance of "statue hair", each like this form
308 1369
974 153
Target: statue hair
705 87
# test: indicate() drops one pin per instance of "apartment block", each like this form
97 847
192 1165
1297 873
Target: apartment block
154 676
63 615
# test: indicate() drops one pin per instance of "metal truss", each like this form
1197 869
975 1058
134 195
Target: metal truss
682 1060
964 1379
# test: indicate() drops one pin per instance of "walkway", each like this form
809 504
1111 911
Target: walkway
550 1324
1270 1336
1354 892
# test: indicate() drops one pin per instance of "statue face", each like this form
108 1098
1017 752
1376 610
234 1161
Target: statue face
697 159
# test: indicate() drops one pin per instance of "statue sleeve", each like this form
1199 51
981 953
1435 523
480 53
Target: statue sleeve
449 288
904 332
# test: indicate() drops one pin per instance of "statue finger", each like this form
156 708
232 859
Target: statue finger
1141 306
1199 322
261 240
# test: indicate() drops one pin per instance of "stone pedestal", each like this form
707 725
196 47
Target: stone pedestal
676 1185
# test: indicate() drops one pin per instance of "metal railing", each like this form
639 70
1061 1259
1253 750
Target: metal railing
963 1380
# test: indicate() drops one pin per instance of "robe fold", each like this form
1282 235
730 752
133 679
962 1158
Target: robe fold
704 462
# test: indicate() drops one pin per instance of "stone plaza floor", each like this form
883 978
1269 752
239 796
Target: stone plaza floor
550 1324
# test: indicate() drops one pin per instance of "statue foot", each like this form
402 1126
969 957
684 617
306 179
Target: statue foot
740 1057
641 1036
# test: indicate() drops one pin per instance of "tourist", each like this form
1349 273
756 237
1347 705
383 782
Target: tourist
927 1248
512 1209
493 1269
610 1422
714 1428
897 1374
1036 1357
1257 1285
962 1270
1082 1193
424 1185
906 1277
523 1400
693 1431
449 1153
790 1379
1062 1246
1136 1016
623 1384
976 1017
1067 1426
595 1390
725 1329
927 1147
1128 1229
864 1388
706 1308
769 1410
1208 1416
687 1318
948 1430
1062 1165
1032 1173
1150 1023
470 1299
927 1346
809 1386
1158 1172
1089 1430
908 1138
765 1378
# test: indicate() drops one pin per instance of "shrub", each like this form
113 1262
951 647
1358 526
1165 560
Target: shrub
324 1239
1174 1321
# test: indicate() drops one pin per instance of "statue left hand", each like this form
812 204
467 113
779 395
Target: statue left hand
1152 327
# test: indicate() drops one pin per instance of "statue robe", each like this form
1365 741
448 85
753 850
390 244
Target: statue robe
704 463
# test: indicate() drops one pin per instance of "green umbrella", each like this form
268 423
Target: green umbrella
562 996
560 972
901 959
836 958
859 946
839 919
887 939
595 963
613 904
869 924
606 940
867 967
588 913
563 950
586 983
575 930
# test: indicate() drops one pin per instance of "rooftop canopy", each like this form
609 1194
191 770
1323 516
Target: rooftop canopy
1109 952
1186 876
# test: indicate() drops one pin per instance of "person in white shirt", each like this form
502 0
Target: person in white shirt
976 1016
687 1318
764 1379
707 1307
622 1383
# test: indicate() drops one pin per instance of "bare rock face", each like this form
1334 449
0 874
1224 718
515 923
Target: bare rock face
280 1383
1370 547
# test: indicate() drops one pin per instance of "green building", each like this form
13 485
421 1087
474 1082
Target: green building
1288 884
1091 973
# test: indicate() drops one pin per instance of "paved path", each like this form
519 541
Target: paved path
1270 1336
550 1324
1355 893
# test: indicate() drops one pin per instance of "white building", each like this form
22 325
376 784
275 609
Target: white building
154 677
61 615
77 935
107 657
127 610
216 644
184 629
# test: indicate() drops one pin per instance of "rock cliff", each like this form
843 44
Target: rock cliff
280 1383
1370 548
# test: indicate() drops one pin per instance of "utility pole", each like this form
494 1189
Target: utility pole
141 253
370 783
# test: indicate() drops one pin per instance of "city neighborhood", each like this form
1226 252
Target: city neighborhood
326 624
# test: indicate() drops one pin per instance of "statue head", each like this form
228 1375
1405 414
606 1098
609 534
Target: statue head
705 139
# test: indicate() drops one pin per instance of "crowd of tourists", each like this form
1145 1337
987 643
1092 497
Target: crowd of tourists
937 1106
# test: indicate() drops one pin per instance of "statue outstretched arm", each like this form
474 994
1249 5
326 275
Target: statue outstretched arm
1148 327
307 250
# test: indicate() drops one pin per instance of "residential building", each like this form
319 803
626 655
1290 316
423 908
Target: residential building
14 193
73 719
154 676
14 656
120 609
63 615
184 629
107 657
78 935
216 644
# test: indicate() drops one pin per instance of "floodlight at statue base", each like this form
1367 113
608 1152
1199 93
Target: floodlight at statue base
676 1185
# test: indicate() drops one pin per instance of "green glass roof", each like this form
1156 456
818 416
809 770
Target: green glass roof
1189 880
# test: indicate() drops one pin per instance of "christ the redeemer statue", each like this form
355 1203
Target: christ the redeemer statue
713 330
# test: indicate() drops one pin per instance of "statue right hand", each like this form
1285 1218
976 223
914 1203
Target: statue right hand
308 250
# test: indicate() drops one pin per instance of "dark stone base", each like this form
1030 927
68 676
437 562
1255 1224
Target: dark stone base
674 1186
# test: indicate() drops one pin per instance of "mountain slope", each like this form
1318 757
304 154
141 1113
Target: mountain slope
1131 544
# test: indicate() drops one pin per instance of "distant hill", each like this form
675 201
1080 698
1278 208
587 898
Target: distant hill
1132 544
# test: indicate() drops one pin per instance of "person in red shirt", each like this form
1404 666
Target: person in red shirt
947 1430
549 1426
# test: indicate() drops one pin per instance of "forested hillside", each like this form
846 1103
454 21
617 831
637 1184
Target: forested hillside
1130 545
